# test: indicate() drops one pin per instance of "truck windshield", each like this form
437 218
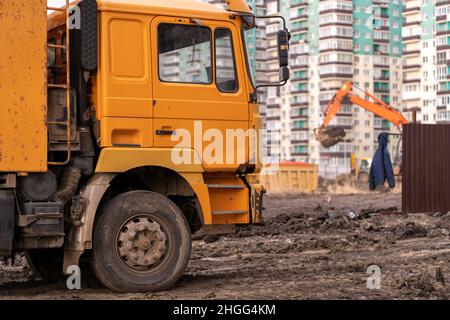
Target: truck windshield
249 39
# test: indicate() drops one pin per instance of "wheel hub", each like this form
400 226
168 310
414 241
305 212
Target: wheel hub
142 243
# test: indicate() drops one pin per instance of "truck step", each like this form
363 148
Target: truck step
234 212
225 186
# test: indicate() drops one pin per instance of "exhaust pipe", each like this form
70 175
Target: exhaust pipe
69 184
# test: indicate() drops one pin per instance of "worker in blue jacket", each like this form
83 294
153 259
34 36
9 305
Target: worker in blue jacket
381 169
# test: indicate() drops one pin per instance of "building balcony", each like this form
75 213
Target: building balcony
411 9
336 75
442 2
411 53
297 67
412 95
411 38
305 128
299 91
299 28
299 114
407 81
411 66
381 90
443 115
443 47
382 78
300 79
299 4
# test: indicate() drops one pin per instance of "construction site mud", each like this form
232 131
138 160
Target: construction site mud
310 247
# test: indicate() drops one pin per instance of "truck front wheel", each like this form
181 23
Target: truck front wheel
141 243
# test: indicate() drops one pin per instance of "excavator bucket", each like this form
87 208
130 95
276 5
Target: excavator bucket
329 137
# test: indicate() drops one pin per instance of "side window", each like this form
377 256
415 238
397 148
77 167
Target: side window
184 54
225 63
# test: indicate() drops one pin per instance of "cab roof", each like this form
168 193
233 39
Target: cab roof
179 8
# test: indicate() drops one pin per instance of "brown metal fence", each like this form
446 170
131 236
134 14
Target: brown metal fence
426 168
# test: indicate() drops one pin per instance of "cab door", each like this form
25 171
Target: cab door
199 88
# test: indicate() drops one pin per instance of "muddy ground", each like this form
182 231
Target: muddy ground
311 247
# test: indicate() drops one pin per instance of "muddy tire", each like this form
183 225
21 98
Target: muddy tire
141 243
46 263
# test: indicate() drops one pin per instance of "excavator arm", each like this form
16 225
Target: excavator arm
377 107
331 136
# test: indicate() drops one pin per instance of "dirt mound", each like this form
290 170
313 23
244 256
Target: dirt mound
425 285
410 230
318 221
282 224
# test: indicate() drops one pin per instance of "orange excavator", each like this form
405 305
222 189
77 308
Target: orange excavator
330 136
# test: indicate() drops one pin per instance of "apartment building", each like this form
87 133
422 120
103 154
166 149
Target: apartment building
377 63
426 37
333 42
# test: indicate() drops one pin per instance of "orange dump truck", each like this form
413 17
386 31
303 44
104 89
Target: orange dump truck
109 109
290 177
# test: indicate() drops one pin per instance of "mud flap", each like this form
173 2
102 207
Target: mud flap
6 222
258 193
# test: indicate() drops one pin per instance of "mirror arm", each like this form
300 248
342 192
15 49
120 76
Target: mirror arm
254 95
274 17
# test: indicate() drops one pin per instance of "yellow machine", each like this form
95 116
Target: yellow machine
360 169
110 150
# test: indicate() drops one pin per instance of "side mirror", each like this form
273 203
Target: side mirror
249 22
285 74
283 47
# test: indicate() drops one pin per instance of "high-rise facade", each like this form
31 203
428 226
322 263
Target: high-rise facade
254 38
333 41
426 81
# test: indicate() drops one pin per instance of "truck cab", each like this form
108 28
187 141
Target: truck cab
146 135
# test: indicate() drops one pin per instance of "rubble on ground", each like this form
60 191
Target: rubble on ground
309 246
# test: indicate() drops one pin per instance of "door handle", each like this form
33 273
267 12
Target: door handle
165 132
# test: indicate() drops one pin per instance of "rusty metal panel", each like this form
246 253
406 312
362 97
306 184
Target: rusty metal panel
23 91
426 168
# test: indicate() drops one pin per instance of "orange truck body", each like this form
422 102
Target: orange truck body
23 90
